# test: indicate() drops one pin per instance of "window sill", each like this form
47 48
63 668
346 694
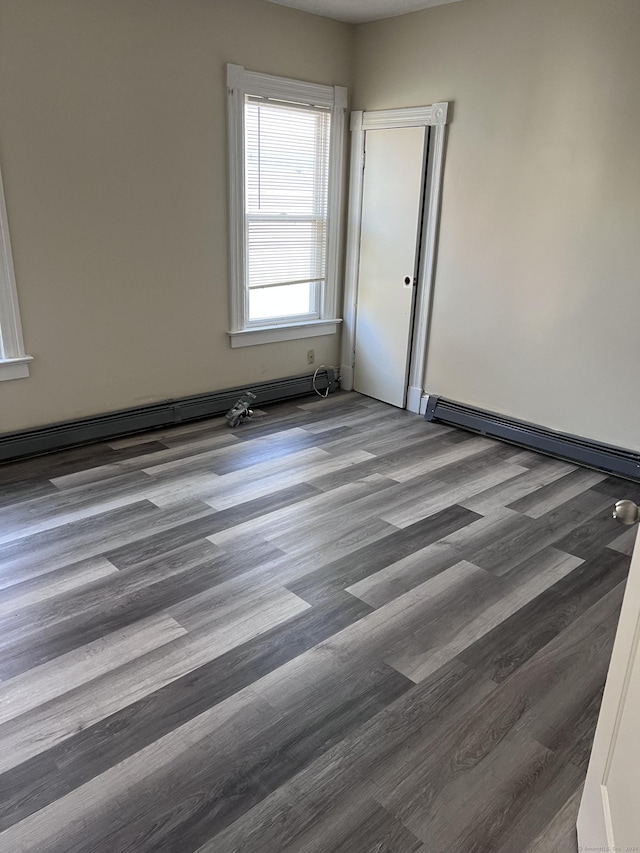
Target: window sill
291 332
15 368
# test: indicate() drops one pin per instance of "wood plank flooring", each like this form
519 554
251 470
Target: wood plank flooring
337 628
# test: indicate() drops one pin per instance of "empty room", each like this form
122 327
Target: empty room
319 426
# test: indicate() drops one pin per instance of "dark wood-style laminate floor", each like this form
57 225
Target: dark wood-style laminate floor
338 628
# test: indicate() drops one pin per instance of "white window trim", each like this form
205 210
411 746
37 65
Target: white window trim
241 82
14 363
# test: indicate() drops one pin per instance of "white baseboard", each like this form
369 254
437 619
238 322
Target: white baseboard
414 397
346 377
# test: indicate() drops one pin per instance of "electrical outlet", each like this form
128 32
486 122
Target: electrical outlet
311 356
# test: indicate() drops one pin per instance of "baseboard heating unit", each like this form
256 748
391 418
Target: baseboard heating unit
584 451
31 442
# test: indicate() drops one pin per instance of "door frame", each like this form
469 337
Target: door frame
595 826
434 116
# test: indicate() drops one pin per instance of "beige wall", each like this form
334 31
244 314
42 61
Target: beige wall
113 153
537 299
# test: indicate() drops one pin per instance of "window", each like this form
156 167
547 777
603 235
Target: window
14 364
286 140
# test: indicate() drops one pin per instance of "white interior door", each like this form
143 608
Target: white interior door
609 817
389 241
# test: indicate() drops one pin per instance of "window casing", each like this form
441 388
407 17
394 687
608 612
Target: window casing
14 364
285 143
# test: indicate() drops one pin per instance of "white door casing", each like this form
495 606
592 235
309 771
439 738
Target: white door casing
434 116
609 816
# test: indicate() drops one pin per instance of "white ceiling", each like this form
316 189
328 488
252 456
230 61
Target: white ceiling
359 11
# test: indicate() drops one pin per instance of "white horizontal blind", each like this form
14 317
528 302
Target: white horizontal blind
286 192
